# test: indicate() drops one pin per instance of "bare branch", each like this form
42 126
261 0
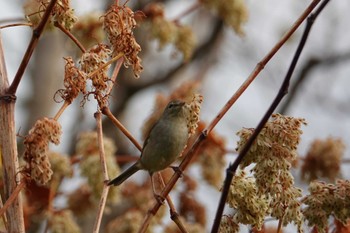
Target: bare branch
281 93
28 54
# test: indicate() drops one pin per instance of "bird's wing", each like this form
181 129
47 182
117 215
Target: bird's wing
147 137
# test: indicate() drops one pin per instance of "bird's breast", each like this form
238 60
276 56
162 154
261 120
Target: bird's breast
165 143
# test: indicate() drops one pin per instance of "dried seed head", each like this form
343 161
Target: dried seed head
36 148
228 225
74 82
272 153
194 108
119 23
92 61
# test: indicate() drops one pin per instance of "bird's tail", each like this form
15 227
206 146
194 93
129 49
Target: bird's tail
125 175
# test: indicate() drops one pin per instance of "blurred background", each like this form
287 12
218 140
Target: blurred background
221 61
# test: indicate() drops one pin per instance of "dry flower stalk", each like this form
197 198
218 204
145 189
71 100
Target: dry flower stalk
87 147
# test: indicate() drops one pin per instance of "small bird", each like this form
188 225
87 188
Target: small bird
165 142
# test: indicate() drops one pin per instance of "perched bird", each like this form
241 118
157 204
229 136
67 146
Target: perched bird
165 142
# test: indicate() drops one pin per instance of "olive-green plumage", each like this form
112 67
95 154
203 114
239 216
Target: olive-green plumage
164 143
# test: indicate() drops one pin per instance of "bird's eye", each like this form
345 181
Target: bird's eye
171 105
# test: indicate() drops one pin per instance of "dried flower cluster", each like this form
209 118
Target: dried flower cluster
74 82
233 12
63 221
90 164
170 32
91 64
36 149
272 152
119 23
92 61
323 159
251 206
62 13
194 108
227 225
327 200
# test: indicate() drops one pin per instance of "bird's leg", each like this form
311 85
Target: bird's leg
158 197
177 170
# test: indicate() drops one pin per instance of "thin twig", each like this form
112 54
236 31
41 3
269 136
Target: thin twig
106 111
100 145
33 42
104 171
304 76
3 217
16 25
71 36
188 156
195 6
173 214
260 66
61 110
13 197
9 20
120 55
115 73
281 93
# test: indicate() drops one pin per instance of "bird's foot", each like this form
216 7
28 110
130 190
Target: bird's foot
177 170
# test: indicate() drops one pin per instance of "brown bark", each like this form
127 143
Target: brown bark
8 150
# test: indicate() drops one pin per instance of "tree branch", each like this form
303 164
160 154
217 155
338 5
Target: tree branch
281 93
188 156
28 54
8 150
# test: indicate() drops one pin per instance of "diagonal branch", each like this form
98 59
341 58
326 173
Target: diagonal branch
281 93
33 42
188 156
309 66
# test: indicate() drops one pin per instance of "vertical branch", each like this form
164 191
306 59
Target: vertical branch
8 149
101 145
105 174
